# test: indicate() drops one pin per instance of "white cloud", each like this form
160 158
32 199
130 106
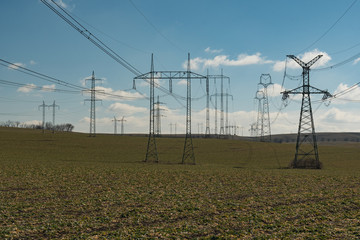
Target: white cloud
209 50
33 122
110 94
32 62
182 82
48 88
345 94
16 65
306 57
27 88
64 5
274 90
356 61
126 109
223 60
335 115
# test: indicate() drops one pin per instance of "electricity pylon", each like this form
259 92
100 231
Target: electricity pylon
306 153
221 77
171 75
158 116
43 121
188 154
53 107
92 107
207 128
263 121
260 96
151 152
115 124
122 120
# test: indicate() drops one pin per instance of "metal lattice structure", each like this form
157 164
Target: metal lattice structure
43 106
54 106
188 154
221 77
151 152
92 104
115 124
158 116
207 127
306 153
263 127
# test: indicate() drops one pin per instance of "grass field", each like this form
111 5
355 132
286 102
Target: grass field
70 186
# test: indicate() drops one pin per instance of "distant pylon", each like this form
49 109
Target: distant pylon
222 105
115 124
53 107
306 153
43 115
122 120
263 121
188 154
151 152
158 116
207 130
260 96
92 107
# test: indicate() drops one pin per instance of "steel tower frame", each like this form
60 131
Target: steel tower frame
92 105
188 154
306 152
151 152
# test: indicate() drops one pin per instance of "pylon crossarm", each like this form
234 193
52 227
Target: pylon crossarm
302 64
170 75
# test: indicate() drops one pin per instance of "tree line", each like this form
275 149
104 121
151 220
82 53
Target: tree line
64 127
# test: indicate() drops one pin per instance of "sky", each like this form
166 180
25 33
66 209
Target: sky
244 39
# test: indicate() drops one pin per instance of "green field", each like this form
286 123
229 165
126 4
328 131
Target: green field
70 186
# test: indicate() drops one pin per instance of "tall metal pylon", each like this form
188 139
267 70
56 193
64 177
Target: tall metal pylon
188 154
43 115
260 96
222 132
207 129
122 120
306 153
171 75
227 130
92 102
151 152
221 95
263 121
115 124
53 107
158 116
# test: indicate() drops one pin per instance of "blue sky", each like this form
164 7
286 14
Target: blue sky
244 38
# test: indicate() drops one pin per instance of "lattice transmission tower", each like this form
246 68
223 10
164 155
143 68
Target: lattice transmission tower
158 116
221 95
263 128
306 153
188 154
151 152
54 106
43 106
115 120
92 100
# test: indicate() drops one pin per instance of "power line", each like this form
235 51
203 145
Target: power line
34 87
154 27
33 73
92 38
45 77
331 27
101 45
